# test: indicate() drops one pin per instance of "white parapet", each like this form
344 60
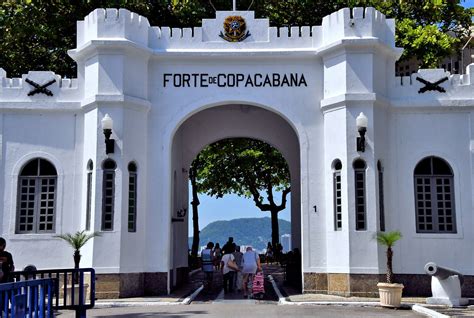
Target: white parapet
113 24
53 88
360 23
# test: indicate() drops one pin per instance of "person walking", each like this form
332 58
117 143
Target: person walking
228 269
228 245
238 255
250 265
217 256
269 253
207 258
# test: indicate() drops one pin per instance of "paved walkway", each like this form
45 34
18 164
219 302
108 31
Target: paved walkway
238 310
294 296
291 296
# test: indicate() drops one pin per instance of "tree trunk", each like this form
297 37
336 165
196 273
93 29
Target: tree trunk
77 258
271 206
195 203
389 265
275 228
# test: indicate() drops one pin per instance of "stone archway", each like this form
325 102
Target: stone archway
221 122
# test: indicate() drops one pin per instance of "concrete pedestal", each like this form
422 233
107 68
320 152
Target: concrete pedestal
446 292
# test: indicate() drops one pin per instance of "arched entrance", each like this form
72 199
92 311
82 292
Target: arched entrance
208 126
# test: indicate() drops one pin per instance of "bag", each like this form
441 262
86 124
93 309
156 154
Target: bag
258 283
231 264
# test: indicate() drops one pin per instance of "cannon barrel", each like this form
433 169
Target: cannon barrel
433 269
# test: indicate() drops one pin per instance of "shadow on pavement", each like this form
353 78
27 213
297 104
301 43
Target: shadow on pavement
216 293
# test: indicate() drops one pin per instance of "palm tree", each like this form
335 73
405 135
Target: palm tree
388 239
77 241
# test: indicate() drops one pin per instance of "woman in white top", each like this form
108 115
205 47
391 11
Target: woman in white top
250 265
227 271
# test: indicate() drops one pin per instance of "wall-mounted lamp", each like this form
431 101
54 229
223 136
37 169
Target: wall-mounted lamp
361 122
182 213
107 125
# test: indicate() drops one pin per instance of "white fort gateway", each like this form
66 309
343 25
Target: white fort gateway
304 90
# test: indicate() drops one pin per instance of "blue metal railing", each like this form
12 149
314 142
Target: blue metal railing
31 298
73 289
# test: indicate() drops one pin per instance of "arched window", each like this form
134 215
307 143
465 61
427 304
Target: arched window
108 194
37 197
337 194
434 196
132 197
90 168
381 198
360 209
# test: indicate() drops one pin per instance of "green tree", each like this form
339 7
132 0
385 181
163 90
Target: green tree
36 34
248 168
429 30
388 239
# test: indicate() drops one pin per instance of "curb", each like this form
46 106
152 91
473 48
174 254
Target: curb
118 304
427 311
191 297
185 301
191 273
281 300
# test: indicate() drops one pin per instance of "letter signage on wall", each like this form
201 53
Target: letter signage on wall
234 80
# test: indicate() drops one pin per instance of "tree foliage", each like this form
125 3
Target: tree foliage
246 167
242 166
429 30
36 34
388 239
77 241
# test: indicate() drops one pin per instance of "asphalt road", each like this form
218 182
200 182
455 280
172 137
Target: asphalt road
241 309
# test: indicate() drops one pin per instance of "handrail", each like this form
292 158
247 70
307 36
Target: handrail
74 289
32 298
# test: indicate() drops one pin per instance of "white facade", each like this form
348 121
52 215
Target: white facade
172 92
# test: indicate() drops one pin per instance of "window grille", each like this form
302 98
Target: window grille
381 197
90 168
360 205
434 196
37 197
108 195
337 194
132 197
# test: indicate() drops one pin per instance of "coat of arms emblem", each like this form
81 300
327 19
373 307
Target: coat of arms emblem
234 28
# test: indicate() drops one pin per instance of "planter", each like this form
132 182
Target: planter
390 294
68 290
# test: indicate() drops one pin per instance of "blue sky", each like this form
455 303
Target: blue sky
468 3
230 207
233 207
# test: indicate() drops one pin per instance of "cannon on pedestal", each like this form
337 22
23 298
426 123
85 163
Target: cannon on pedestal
445 286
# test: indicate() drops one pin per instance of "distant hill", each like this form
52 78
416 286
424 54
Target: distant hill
256 232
